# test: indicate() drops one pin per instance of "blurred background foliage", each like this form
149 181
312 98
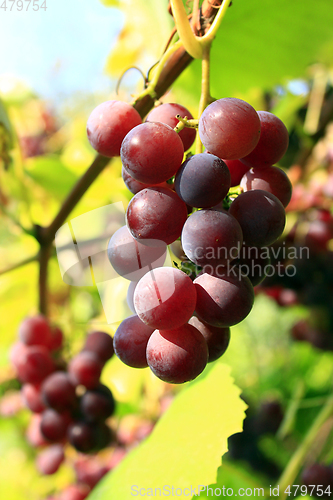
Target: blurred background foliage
275 55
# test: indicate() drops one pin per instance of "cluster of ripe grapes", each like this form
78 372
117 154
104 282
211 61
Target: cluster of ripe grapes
180 324
68 402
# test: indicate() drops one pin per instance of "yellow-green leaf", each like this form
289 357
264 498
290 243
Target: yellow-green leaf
186 445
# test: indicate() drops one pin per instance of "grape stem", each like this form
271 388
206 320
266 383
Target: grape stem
293 467
205 97
185 122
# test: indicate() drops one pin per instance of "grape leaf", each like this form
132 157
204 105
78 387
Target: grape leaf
50 173
146 30
186 445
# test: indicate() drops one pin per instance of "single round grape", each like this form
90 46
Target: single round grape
135 186
101 344
229 128
178 355
18 350
130 258
130 341
85 369
35 331
166 113
156 214
58 391
89 471
237 169
97 404
49 460
56 339
272 144
211 237
108 124
32 397
270 179
35 364
54 425
82 436
202 181
224 299
317 474
261 216
152 152
217 338
34 435
130 295
165 298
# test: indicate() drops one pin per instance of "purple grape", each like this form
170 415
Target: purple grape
32 397
211 237
202 181
35 364
261 216
54 425
97 404
50 459
85 369
35 331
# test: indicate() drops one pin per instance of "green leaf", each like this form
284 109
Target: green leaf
50 173
186 445
232 477
263 43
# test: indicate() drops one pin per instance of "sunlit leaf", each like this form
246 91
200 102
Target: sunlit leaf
51 174
186 445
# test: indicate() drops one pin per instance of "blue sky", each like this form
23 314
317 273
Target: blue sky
60 50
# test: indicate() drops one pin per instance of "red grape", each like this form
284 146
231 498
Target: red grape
85 369
229 128
130 258
217 338
178 355
58 391
166 113
35 364
237 169
135 186
152 152
100 343
108 124
74 492
54 425
165 298
130 341
35 331
89 471
50 459
225 300
32 397
270 179
156 214
272 144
